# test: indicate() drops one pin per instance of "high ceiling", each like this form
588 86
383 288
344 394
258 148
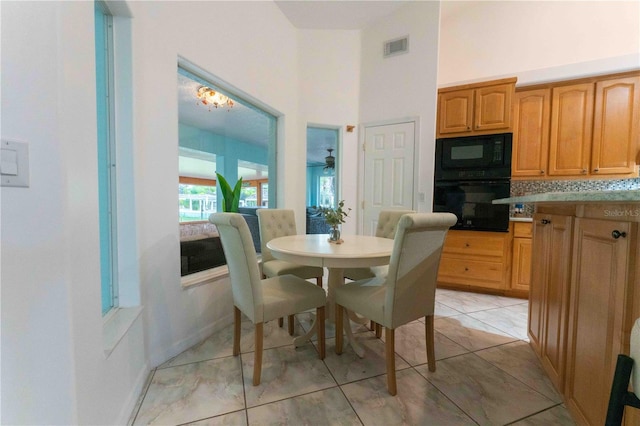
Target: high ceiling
336 15
246 124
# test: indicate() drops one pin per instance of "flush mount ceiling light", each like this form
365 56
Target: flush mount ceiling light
210 97
330 160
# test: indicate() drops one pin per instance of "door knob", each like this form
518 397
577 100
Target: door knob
545 221
617 234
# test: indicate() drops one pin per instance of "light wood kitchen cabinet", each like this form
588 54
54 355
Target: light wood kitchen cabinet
455 111
582 128
584 298
549 292
599 314
531 113
521 260
616 137
475 259
479 108
493 107
571 125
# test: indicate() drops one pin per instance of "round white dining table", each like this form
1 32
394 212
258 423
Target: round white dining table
314 250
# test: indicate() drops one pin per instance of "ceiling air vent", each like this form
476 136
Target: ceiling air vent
396 47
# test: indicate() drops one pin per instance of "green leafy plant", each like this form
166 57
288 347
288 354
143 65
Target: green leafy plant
230 197
334 217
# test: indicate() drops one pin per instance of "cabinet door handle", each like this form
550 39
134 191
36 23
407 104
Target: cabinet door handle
596 170
584 171
545 221
617 234
466 244
541 172
466 269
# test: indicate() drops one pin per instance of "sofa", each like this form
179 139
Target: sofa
251 217
316 224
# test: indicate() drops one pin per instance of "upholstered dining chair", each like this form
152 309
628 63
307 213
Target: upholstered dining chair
407 292
262 300
627 370
274 223
385 228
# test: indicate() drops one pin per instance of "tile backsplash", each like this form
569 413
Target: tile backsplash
527 187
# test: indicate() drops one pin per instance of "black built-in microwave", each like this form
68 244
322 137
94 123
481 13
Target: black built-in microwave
474 157
471 172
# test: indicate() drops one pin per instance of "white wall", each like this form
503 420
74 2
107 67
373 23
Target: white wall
405 85
53 366
252 48
537 41
329 66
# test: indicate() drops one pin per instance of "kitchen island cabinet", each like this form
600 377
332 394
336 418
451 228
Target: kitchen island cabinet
585 291
549 292
600 311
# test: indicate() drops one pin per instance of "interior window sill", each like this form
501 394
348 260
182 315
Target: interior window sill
116 324
204 277
209 276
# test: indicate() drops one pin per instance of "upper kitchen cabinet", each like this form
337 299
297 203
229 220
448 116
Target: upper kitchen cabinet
475 109
531 111
571 123
580 128
615 128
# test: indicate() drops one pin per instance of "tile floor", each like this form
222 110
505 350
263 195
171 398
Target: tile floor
486 374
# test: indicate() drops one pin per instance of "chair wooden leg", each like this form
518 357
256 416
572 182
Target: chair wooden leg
320 321
257 355
291 324
280 320
429 334
390 356
372 325
319 281
339 313
378 330
236 331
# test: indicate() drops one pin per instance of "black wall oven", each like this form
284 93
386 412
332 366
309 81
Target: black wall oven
471 172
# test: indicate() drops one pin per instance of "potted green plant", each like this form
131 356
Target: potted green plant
334 218
230 197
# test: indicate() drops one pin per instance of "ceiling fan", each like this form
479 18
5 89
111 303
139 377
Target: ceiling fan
330 160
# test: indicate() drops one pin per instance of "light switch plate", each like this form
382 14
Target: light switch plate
15 163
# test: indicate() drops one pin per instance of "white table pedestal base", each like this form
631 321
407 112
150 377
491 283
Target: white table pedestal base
336 279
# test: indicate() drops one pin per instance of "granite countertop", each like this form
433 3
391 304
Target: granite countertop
626 196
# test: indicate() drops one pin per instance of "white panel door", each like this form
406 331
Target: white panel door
388 171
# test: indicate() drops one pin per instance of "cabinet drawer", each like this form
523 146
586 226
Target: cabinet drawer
522 229
473 272
474 243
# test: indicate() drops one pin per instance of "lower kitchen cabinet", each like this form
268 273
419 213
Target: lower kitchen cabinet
475 259
600 309
521 260
582 304
549 292
492 262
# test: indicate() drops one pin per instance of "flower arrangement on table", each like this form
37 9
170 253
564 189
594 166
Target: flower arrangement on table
334 218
